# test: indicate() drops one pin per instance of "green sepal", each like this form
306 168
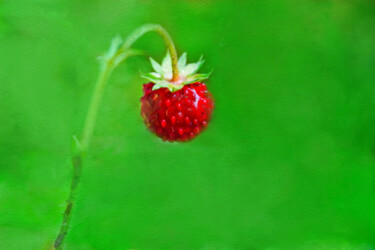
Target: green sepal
163 73
182 61
156 66
152 78
192 68
197 78
172 87
167 67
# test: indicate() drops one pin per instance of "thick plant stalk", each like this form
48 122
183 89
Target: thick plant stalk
118 52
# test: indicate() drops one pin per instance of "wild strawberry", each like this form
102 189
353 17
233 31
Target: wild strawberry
176 111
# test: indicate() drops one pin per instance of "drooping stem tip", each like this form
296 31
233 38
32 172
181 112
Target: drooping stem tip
167 40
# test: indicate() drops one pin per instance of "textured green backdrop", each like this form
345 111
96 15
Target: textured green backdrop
288 159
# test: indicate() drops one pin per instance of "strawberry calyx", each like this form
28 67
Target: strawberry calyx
163 75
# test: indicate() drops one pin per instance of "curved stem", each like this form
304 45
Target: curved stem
112 59
167 39
93 108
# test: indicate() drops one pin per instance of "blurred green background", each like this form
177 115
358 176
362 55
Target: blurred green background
288 159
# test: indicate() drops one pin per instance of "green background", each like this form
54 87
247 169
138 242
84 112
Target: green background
287 161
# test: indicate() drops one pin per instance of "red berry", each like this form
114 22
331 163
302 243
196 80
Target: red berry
177 116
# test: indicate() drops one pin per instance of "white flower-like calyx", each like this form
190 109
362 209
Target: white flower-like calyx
162 77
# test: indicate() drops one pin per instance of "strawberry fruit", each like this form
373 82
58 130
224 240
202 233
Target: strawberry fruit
176 111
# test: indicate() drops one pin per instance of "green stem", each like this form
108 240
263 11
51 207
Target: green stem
78 156
77 166
167 39
94 106
111 61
